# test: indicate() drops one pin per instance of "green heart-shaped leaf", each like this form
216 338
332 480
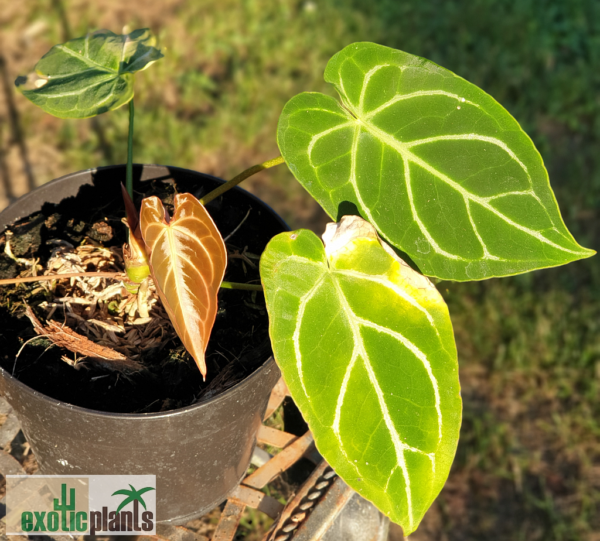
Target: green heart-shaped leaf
365 345
442 171
90 75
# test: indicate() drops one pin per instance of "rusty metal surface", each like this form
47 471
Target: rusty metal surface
292 512
228 523
279 392
258 500
280 462
326 509
274 437
331 501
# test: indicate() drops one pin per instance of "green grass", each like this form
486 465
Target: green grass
528 465
531 423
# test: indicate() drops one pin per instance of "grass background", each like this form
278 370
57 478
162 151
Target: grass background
528 464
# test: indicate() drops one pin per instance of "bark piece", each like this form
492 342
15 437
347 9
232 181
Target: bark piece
67 338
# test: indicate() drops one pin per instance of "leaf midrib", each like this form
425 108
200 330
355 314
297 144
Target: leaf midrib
359 350
468 197
87 60
354 323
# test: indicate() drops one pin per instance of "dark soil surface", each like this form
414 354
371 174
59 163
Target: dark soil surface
239 341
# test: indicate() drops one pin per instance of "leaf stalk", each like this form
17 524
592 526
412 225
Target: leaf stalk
129 169
236 285
241 177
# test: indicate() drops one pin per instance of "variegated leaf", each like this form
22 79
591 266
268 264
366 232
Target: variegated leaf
88 76
365 345
442 170
187 259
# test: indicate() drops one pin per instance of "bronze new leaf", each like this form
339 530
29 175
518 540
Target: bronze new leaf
187 260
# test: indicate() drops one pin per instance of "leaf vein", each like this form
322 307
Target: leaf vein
419 355
390 285
85 59
407 155
365 84
399 446
418 94
296 336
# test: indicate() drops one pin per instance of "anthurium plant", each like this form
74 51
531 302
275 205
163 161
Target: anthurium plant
425 176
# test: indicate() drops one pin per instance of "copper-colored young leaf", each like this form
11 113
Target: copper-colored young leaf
187 259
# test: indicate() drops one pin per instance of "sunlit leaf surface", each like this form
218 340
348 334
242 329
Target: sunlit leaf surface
366 347
90 75
187 259
434 163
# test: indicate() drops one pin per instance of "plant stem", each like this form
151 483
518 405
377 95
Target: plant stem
115 275
129 170
239 178
46 278
235 285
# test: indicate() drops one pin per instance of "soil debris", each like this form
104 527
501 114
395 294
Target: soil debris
101 232
67 338
105 314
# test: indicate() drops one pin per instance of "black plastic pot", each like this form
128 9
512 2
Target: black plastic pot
199 453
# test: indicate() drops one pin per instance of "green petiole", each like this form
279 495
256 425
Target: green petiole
247 287
241 177
129 170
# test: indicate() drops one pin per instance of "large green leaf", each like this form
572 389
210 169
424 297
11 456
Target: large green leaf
434 163
365 345
90 75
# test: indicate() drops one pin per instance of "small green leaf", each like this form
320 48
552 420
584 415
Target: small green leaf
442 171
88 76
365 345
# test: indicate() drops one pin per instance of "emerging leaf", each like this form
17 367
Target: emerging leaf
187 259
442 171
365 345
135 257
90 75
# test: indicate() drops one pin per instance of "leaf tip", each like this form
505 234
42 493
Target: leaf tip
33 81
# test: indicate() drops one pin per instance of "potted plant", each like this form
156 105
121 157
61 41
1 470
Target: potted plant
138 420
426 177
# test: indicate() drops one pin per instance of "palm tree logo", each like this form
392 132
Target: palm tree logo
133 495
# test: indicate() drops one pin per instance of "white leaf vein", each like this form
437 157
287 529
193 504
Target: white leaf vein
381 280
418 354
131 69
80 91
418 94
304 300
399 446
361 121
85 59
409 156
359 353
